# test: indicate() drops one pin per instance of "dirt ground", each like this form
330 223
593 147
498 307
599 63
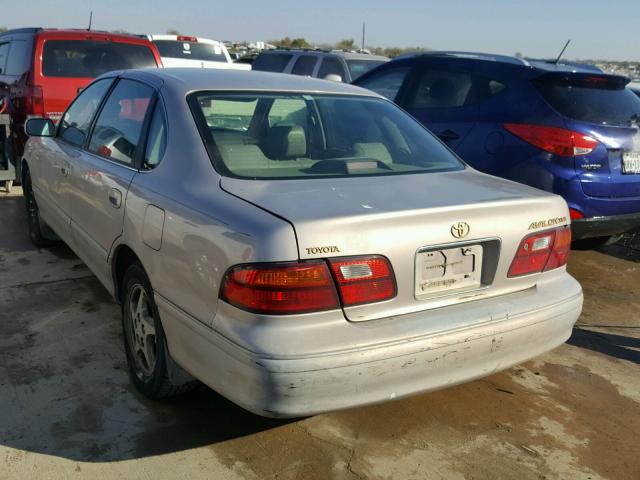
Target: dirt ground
68 410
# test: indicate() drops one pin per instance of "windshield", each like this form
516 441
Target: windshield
89 59
206 52
256 135
591 98
357 68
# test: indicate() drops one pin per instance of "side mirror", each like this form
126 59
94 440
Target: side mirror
40 127
333 77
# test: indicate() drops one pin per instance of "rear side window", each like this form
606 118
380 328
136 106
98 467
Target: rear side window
117 130
386 83
449 89
75 123
19 58
594 99
357 68
271 62
206 52
88 59
156 140
331 66
304 65
4 52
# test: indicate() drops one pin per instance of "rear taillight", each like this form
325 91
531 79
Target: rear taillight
309 286
363 279
575 214
541 252
281 288
184 38
34 101
558 141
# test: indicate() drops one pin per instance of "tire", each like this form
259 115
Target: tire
39 232
144 340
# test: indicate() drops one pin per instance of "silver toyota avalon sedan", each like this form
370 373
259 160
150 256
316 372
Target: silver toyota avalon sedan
297 245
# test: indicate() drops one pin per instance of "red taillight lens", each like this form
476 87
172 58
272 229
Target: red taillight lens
184 38
558 141
575 214
34 101
541 252
363 279
277 289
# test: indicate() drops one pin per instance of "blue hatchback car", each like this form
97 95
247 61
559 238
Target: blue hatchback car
563 127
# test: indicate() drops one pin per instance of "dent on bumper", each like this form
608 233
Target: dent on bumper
292 387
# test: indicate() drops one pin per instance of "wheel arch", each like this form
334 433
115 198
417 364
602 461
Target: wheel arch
123 256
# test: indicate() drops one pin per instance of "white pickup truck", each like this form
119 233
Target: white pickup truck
196 52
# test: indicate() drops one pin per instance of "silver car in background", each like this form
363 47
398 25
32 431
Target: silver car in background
296 244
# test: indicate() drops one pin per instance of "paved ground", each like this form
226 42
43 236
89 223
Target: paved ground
67 409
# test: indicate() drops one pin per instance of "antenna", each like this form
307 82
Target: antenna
363 30
562 51
90 19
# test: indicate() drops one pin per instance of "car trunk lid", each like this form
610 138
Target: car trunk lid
406 217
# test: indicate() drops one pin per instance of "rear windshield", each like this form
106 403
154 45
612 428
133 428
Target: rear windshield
271 62
273 135
206 52
594 99
358 68
89 59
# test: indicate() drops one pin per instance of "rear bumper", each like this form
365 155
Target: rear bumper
508 330
605 226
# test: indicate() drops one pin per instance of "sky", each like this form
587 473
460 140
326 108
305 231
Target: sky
536 28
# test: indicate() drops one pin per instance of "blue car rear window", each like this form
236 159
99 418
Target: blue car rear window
595 99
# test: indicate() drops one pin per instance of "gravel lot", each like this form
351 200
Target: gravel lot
69 411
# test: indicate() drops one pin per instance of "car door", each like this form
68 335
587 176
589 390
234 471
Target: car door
52 169
104 170
444 101
331 65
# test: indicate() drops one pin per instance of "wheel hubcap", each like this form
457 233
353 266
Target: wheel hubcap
141 332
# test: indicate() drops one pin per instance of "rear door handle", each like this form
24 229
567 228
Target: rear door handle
448 136
115 198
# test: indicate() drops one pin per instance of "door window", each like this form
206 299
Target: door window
271 62
448 89
304 65
156 140
331 66
117 130
19 58
75 123
387 83
4 51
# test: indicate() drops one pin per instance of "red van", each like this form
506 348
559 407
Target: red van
42 70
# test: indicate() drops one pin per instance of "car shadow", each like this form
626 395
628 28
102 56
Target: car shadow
627 248
617 346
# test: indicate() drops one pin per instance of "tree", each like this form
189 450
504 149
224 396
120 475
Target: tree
519 55
3 29
346 44
173 31
287 42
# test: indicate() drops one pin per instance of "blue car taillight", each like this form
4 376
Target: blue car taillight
558 141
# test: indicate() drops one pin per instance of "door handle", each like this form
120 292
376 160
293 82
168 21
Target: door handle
115 198
448 136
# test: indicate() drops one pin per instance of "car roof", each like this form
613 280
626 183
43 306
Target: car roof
347 54
538 64
186 80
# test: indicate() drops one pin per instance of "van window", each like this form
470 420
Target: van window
117 130
271 62
89 59
19 58
4 51
304 65
76 121
331 66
